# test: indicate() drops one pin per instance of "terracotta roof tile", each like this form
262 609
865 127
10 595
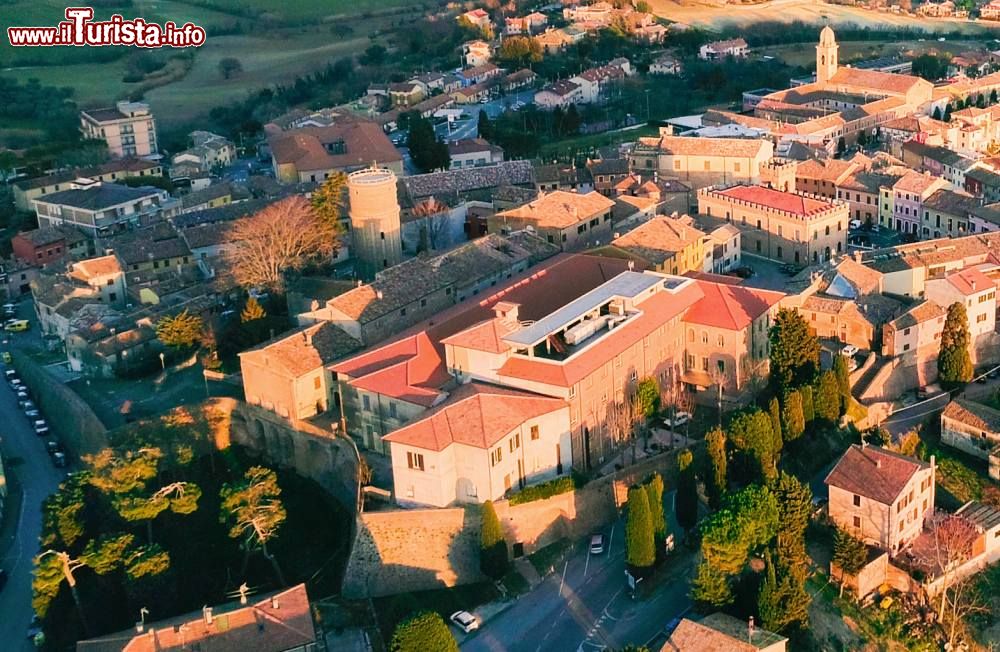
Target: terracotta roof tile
560 209
874 472
659 239
790 202
732 307
695 146
476 415
974 414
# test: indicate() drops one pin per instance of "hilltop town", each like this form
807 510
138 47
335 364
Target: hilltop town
578 329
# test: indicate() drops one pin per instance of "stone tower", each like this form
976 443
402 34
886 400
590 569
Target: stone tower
826 55
375 228
779 174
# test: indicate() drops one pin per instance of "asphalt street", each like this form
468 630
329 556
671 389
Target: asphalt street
903 420
586 606
26 460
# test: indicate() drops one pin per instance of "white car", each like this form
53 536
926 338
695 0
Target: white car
597 544
854 224
465 621
679 419
850 351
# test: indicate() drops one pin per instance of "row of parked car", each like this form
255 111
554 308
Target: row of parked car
35 418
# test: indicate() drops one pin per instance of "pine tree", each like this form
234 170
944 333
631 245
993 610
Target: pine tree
794 351
753 435
640 550
849 554
843 382
710 586
827 398
493 556
774 411
993 96
329 199
252 311
947 114
686 502
716 483
654 494
782 602
769 599
954 361
808 408
937 113
793 420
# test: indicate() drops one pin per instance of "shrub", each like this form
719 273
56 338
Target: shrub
422 632
543 491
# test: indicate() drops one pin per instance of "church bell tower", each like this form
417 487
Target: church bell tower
826 55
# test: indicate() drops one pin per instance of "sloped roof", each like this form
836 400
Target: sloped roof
972 413
561 209
718 632
874 472
364 142
732 307
476 415
789 202
659 239
304 349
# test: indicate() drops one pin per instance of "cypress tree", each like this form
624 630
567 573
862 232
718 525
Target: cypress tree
793 420
954 361
493 557
654 495
687 491
716 482
794 350
843 382
710 586
774 411
640 550
808 409
827 398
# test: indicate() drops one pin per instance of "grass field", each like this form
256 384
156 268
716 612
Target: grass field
804 54
716 15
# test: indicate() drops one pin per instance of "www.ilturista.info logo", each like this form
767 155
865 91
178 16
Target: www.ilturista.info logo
80 29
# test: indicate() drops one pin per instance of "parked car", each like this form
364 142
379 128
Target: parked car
597 544
17 325
679 419
10 310
854 224
31 411
53 447
41 428
34 628
9 375
465 621
59 460
850 351
744 272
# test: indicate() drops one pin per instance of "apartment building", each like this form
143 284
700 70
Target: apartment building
312 154
785 226
98 208
703 161
27 190
49 245
128 129
569 220
881 497
971 288
208 151
916 332
862 192
908 197
823 178
948 214
481 443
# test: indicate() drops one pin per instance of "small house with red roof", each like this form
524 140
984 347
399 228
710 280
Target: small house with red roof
789 227
881 497
479 444
973 289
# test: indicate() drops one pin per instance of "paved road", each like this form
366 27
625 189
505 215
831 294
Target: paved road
585 606
908 418
25 459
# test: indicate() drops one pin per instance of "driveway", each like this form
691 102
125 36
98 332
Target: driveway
586 605
28 467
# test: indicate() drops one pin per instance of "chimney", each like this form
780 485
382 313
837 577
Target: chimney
274 602
631 265
206 611
857 256
378 294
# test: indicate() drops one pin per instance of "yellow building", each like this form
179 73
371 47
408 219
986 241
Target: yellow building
664 244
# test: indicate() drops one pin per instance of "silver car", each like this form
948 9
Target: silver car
465 621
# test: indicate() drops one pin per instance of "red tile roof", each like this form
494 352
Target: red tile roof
785 201
484 336
411 369
874 472
475 415
970 281
732 307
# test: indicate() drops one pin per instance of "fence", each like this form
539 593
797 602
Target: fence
69 417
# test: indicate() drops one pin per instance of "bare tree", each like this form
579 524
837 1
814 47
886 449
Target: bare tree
719 378
637 420
285 236
953 540
753 373
619 422
685 403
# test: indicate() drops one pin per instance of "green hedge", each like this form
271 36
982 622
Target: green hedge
544 490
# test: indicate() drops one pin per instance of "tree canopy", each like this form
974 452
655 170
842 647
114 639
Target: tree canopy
493 556
716 481
827 399
794 350
181 330
792 417
954 360
686 502
423 632
753 435
640 551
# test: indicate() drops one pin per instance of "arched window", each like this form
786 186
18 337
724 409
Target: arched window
722 341
690 335
828 229
704 337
